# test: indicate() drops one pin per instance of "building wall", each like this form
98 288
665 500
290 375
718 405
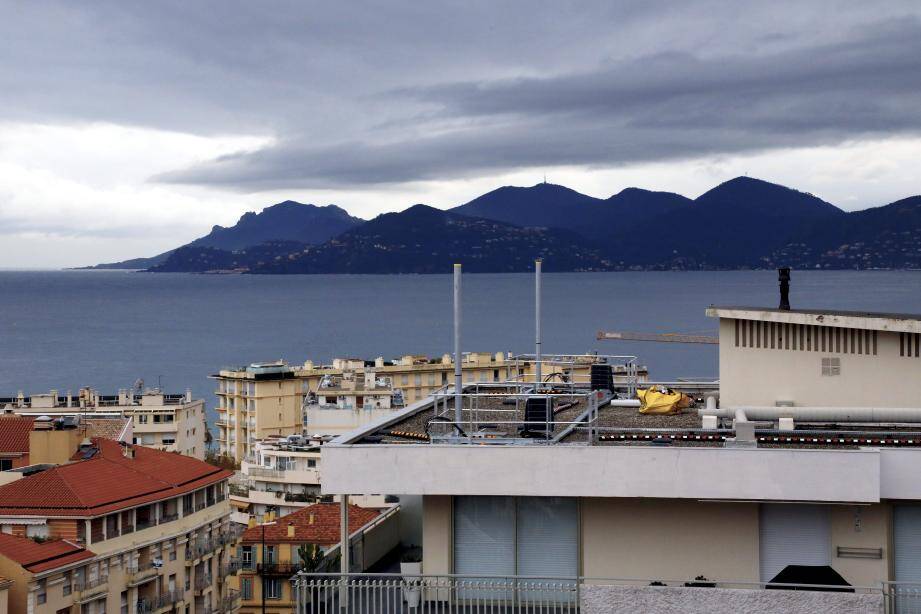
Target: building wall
16 594
864 526
763 376
669 539
53 447
4 598
437 534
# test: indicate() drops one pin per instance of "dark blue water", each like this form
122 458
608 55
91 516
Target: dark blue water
103 329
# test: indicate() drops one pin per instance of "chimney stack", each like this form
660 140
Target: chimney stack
291 530
783 275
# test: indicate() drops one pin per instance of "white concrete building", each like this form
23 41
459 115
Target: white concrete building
803 471
168 422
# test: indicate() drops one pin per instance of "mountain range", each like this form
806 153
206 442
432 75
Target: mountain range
742 223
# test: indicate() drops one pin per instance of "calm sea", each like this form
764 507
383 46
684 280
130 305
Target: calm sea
106 329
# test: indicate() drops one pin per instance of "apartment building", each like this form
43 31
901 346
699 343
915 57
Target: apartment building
169 422
269 399
802 470
282 477
307 539
117 528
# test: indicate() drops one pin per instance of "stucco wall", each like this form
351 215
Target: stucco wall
681 600
436 535
762 376
669 539
864 526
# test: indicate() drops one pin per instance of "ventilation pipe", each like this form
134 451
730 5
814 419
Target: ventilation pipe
458 373
819 414
783 276
537 352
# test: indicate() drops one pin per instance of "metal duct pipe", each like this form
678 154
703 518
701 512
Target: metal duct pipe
819 414
458 373
537 353
625 403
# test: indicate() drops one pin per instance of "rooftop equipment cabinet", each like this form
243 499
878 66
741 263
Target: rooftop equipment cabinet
539 411
602 377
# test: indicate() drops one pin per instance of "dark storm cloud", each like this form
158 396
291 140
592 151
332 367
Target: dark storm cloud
672 105
357 94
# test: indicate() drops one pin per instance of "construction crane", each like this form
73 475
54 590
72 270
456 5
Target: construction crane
611 335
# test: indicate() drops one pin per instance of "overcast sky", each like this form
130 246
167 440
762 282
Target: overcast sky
128 128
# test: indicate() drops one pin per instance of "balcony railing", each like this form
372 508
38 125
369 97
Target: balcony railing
143 572
230 601
167 598
419 594
86 590
201 547
231 567
169 517
203 581
277 569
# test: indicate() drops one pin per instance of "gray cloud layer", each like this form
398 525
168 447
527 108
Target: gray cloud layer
372 94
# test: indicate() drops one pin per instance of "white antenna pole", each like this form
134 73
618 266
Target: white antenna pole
537 352
458 373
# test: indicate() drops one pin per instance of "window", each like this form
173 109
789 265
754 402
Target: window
246 588
41 595
68 585
270 554
533 536
831 366
37 530
272 587
246 556
404 379
168 441
6 464
417 379
311 462
172 550
142 419
124 602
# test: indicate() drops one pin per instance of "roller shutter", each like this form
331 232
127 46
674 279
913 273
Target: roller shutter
792 534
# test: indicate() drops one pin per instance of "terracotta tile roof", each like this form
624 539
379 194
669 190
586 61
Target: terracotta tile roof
14 434
324 530
107 482
109 428
37 557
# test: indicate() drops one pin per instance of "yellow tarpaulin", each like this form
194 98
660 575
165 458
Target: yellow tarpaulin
657 400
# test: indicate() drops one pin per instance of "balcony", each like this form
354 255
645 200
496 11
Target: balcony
231 567
231 601
277 569
202 583
159 604
201 547
169 517
143 572
91 589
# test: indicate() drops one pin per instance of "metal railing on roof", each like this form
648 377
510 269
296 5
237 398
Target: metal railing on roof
321 593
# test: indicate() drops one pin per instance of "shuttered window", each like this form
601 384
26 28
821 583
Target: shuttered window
792 534
906 531
525 536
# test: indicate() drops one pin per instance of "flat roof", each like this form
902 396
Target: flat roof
865 320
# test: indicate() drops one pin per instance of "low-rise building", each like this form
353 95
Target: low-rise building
118 527
801 470
306 540
170 422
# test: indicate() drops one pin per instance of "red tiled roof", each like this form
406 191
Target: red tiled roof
37 557
107 482
14 434
324 530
